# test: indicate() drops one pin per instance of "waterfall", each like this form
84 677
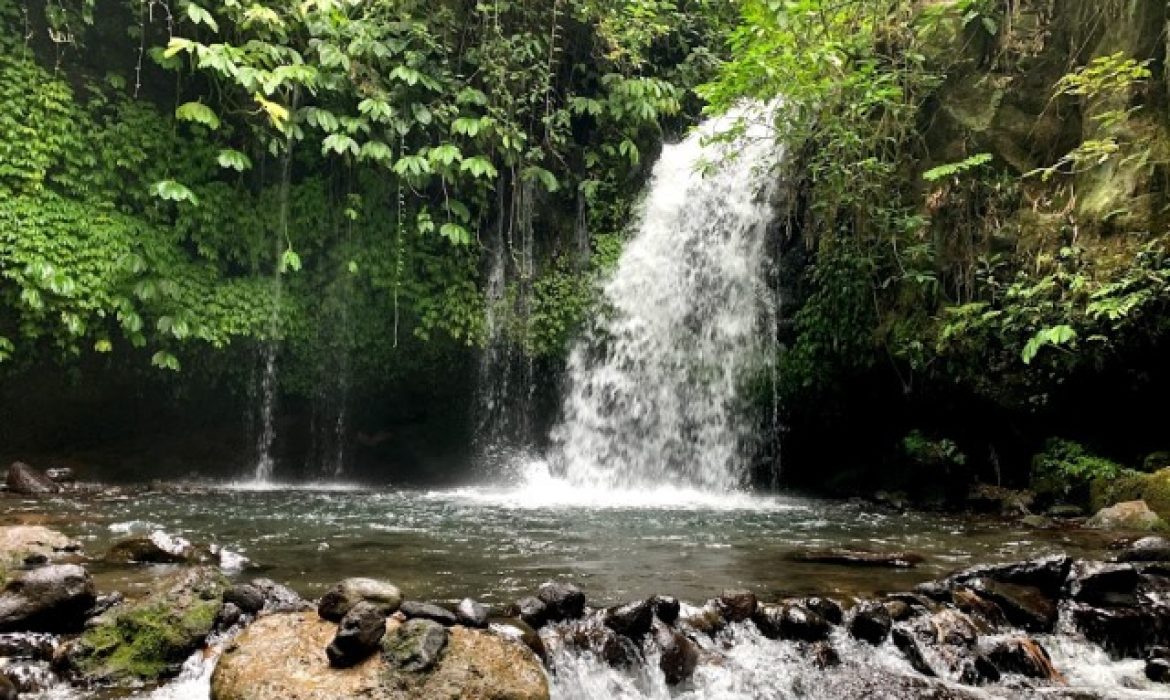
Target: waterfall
655 394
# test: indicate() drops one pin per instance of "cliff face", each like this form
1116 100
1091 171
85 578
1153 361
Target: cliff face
1038 169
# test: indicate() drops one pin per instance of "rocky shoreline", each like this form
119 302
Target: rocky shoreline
987 630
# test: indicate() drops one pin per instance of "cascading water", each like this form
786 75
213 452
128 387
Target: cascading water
655 391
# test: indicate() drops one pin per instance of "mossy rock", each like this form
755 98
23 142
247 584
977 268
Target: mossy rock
1154 489
152 638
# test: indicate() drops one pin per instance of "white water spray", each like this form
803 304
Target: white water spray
655 391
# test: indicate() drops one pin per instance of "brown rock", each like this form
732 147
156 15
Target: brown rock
19 542
1130 515
282 656
27 481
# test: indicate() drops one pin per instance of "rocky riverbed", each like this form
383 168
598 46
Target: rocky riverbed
198 624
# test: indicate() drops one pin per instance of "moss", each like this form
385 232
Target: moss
1154 489
145 643
1066 471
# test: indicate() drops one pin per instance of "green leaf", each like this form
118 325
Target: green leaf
164 360
479 167
421 114
412 166
199 113
406 74
546 178
199 15
289 260
1056 336
376 151
954 169
445 154
233 160
173 192
455 233
340 144
177 46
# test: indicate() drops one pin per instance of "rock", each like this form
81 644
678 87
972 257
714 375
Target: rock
248 599
1147 549
25 480
906 644
824 655
969 602
149 550
563 601
899 611
979 671
228 616
986 498
7 688
737 605
152 637
707 619
1024 606
471 614
1158 670
1099 584
791 621
632 619
104 604
825 607
1037 522
61 475
954 628
358 635
428 611
1047 574
1065 511
280 598
871 623
849 557
416 645
19 542
340 599
679 655
666 608
517 629
279 656
28 645
532 611
1124 632
1023 656
1130 515
47 599
937 591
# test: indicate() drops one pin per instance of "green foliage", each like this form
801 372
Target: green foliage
925 452
1064 469
950 170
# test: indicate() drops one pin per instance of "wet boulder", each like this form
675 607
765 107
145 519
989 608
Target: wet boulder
631 620
824 656
279 598
825 607
532 611
1147 549
1023 606
737 605
858 558
678 655
27 481
416 645
279 656
952 627
158 548
413 610
1129 515
1110 585
563 601
666 608
871 623
152 637
1046 574
471 613
8 689
47 599
706 620
247 598
904 641
229 616
340 599
1023 656
791 621
1158 665
1124 632
357 636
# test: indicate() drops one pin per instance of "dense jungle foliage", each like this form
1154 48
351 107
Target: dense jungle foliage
972 252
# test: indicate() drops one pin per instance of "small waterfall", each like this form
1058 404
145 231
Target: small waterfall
265 463
655 395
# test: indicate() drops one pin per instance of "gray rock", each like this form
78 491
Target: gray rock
666 608
518 630
340 599
1110 585
563 601
532 611
1147 549
48 599
825 607
679 655
632 619
906 644
279 598
791 621
358 635
871 623
1024 606
23 479
471 614
228 616
247 598
415 646
428 611
737 605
